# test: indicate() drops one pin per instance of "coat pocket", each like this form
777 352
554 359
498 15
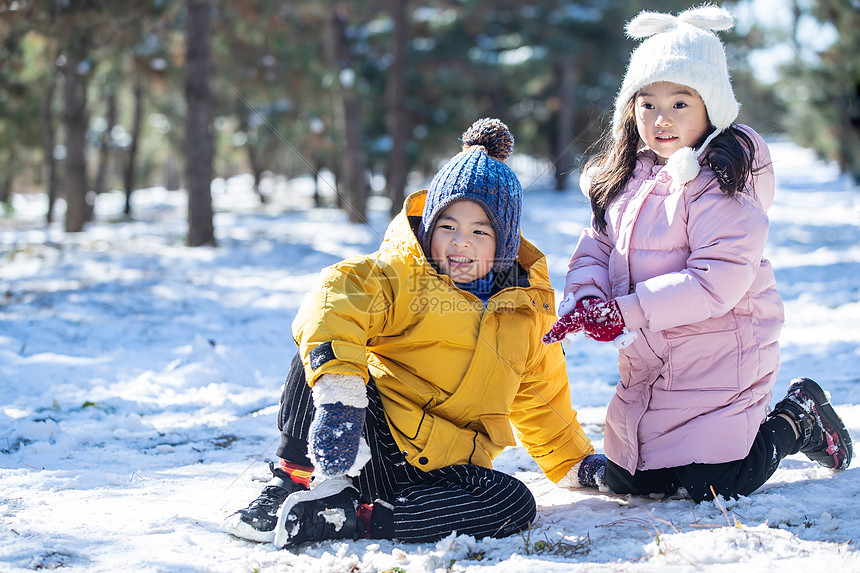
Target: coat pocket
512 330
440 443
705 355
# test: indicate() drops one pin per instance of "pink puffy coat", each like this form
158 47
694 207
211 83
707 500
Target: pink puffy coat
685 264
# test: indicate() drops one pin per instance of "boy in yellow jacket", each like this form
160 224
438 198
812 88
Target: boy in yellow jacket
413 364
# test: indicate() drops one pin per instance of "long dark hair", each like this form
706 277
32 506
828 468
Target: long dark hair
730 155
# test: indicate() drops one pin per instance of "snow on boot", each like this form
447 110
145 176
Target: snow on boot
257 521
823 437
329 510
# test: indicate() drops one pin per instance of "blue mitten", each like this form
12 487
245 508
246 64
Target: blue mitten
335 433
592 470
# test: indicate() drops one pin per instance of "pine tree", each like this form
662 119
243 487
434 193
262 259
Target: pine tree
198 136
824 97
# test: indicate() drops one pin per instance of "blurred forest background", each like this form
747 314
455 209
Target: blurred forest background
104 95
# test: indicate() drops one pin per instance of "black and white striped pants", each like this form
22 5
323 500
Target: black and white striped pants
428 506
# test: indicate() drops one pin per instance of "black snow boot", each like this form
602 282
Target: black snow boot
329 510
257 521
823 437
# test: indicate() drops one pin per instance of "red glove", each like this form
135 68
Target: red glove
603 321
570 323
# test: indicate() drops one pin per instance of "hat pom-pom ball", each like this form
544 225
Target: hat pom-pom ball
683 165
491 134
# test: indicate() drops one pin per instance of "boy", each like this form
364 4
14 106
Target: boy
413 363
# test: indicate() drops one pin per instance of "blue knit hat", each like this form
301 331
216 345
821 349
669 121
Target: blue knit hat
479 174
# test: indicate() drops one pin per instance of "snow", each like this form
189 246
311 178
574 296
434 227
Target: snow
139 381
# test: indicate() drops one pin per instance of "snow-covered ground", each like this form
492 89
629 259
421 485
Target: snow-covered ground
139 381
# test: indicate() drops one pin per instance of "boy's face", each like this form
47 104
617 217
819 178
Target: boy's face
463 244
670 116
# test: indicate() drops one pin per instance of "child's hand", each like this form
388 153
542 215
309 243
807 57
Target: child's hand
334 438
568 304
592 471
567 324
589 472
335 445
570 322
603 322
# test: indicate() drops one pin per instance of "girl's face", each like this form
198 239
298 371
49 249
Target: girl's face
668 117
463 244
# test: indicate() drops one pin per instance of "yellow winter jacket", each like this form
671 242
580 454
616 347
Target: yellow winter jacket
452 375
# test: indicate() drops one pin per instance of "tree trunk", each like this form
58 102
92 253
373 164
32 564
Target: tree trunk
256 171
318 165
49 141
100 185
254 159
353 185
849 126
128 174
75 121
6 188
337 172
396 117
198 138
354 166
566 72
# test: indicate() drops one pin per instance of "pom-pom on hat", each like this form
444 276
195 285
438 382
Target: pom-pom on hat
682 50
479 174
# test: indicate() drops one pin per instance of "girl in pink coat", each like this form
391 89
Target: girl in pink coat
672 270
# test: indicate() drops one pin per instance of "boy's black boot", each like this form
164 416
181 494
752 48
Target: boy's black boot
823 437
257 521
329 510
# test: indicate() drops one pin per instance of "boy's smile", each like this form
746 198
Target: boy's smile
463 244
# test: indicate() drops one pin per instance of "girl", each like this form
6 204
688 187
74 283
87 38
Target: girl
672 270
413 363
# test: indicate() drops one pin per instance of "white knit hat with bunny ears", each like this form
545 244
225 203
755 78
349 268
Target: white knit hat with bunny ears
682 50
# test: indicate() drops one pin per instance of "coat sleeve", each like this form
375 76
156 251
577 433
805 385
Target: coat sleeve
350 305
542 414
588 273
727 237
